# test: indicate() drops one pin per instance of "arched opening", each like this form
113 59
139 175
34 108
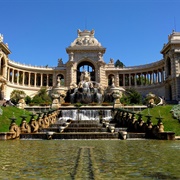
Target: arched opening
61 77
85 66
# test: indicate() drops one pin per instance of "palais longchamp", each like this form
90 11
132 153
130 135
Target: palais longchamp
85 53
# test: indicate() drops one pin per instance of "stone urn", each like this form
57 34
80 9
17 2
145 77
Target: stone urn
55 102
61 128
49 134
21 103
117 94
111 128
123 134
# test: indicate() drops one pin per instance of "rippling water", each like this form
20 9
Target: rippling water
89 159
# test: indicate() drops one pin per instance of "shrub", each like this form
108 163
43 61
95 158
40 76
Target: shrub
176 111
131 96
16 96
42 97
28 99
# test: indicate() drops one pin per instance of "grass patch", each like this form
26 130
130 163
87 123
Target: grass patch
170 124
8 113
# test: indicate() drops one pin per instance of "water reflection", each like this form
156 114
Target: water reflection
89 159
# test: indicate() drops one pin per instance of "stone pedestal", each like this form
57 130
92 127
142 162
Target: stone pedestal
58 96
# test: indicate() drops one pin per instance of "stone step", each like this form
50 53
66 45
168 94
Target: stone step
131 135
75 129
43 135
86 136
78 125
85 125
85 129
86 122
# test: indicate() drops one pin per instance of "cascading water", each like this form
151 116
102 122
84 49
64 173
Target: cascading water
84 114
106 115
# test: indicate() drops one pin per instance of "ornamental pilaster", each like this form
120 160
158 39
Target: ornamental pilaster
70 67
1 54
100 75
5 71
117 79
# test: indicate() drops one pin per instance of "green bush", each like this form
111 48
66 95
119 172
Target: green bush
28 99
16 96
176 111
131 96
42 97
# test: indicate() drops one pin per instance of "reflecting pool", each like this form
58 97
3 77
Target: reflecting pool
89 159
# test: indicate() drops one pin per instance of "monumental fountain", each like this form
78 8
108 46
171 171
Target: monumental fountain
91 112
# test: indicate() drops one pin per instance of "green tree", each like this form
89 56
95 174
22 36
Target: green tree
118 63
28 99
131 96
16 95
42 97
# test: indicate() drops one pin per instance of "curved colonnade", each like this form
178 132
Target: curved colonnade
160 77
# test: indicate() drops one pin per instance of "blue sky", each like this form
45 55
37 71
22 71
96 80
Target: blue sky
134 31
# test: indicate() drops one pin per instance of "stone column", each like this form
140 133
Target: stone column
140 79
162 75
117 80
158 76
135 79
145 79
151 77
12 80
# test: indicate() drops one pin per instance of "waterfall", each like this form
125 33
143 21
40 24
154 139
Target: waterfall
84 114
107 114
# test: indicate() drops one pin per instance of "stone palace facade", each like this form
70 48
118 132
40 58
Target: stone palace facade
86 54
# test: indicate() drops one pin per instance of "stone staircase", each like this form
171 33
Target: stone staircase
84 129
